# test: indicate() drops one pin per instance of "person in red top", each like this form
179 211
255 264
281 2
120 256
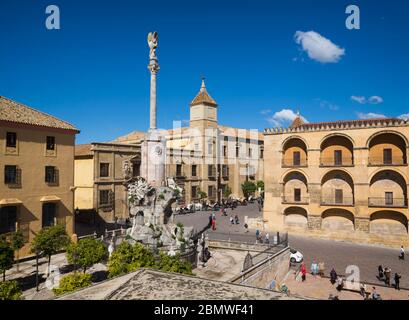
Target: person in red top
214 224
303 272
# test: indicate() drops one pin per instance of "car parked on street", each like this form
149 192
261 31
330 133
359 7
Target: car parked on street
296 256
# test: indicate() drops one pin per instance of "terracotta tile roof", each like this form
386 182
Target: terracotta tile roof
83 150
203 97
131 137
12 111
298 122
348 122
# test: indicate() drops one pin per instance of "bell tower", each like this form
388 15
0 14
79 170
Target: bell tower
203 109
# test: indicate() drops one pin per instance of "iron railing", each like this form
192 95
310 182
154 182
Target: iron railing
333 162
294 200
387 202
382 161
293 163
335 201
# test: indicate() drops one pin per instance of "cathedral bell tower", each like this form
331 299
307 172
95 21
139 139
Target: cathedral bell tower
203 109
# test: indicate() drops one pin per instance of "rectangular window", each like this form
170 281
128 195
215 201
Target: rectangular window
194 191
387 156
297 195
50 143
224 151
237 151
49 214
225 171
104 170
210 191
10 174
8 218
296 158
104 197
178 170
50 174
261 153
210 148
194 170
338 157
210 171
136 169
389 198
339 196
250 152
11 140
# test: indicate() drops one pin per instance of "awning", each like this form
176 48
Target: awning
10 202
50 199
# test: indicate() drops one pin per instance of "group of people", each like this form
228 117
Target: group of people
316 269
235 220
384 274
259 237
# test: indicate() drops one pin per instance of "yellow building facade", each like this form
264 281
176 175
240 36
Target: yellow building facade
37 163
344 180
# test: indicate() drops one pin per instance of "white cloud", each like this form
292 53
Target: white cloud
375 100
318 47
371 100
404 116
327 105
370 115
265 111
359 99
283 118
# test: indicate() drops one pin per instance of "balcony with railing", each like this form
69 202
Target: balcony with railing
180 174
336 162
290 199
294 163
382 202
386 161
337 201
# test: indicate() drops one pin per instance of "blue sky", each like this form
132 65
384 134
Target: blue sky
93 72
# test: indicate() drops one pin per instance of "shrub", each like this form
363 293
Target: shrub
10 290
6 257
86 252
72 282
174 264
127 258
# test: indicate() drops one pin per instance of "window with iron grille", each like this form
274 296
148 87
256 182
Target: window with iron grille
50 143
51 175
11 140
10 175
194 170
8 218
49 214
104 170
104 197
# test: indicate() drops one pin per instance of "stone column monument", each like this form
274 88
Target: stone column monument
154 145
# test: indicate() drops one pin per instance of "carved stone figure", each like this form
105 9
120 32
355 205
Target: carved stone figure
153 44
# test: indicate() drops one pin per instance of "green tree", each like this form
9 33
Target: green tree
10 290
86 253
127 258
49 241
174 264
260 185
248 188
227 191
17 242
6 257
201 194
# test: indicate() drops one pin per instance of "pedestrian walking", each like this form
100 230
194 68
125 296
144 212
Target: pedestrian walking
388 276
402 253
210 220
321 269
257 234
362 289
231 220
333 276
340 283
303 272
246 226
314 268
236 218
267 238
214 224
397 281
380 272
375 295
